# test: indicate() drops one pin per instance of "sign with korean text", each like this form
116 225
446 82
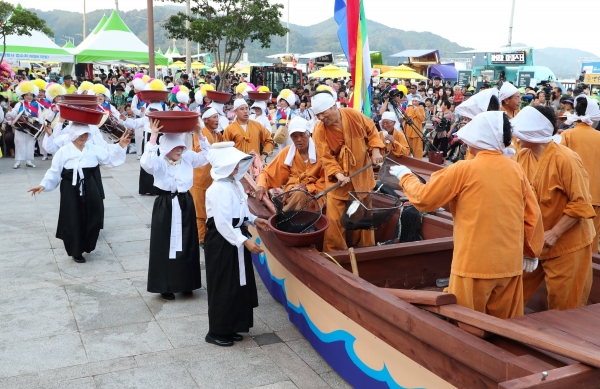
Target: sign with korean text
525 79
464 77
508 58
592 78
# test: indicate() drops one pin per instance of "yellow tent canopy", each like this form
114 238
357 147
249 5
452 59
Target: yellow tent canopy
178 64
330 71
403 73
244 70
199 65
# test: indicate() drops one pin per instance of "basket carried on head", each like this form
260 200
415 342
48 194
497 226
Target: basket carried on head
297 211
368 210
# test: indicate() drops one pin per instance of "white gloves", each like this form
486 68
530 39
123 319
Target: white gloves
399 171
530 264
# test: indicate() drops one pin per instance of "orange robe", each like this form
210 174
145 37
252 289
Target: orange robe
496 222
202 180
417 115
399 147
585 141
345 150
251 139
561 186
277 174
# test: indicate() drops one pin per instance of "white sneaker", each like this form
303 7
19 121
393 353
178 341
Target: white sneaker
45 158
29 164
16 165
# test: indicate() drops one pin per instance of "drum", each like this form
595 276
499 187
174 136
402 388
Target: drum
28 124
111 126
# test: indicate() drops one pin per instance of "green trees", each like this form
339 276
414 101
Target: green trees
18 21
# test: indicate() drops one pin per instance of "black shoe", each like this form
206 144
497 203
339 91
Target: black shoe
168 296
237 337
218 342
79 259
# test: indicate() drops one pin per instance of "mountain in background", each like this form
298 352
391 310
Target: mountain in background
303 39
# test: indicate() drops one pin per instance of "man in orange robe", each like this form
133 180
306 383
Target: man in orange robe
562 189
296 166
248 135
510 97
416 113
202 178
344 138
585 141
496 218
395 140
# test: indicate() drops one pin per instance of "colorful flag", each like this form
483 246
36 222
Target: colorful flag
352 32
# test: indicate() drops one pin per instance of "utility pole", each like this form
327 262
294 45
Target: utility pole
188 43
151 66
510 28
84 20
287 36
117 5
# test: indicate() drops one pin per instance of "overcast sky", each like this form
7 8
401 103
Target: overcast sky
473 23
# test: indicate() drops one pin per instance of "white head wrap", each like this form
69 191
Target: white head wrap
78 129
218 106
321 102
299 124
507 91
209 112
531 126
592 112
182 97
198 97
224 157
477 104
486 132
387 115
238 103
168 142
260 104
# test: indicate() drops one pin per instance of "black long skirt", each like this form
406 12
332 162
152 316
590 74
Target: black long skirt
147 180
229 304
180 274
81 217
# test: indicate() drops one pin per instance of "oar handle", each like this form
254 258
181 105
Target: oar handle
362 169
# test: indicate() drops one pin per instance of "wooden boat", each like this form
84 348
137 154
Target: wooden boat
392 327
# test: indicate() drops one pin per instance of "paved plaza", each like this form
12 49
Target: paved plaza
66 325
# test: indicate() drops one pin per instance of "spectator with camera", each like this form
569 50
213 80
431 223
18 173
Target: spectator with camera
442 122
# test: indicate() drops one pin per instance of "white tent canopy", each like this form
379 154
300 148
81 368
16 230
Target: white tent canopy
35 48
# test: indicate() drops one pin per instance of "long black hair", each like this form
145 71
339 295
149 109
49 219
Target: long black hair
581 106
506 130
494 104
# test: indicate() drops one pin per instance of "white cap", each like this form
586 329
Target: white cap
298 124
238 103
260 104
322 102
209 112
531 126
507 91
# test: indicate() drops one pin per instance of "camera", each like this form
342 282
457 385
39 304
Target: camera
546 87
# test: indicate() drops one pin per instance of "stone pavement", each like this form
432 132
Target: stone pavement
93 325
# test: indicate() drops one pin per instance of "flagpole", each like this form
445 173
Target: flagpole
151 65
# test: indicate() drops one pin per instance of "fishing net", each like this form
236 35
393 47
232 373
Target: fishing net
297 211
408 229
368 210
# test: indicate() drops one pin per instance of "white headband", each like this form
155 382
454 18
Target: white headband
507 91
322 102
531 126
209 112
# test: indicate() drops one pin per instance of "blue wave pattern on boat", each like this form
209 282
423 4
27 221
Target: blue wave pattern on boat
336 347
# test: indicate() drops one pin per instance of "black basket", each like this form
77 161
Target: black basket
368 210
297 211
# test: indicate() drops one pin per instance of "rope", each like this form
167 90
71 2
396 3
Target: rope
333 259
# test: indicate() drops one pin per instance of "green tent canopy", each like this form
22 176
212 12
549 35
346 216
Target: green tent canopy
115 43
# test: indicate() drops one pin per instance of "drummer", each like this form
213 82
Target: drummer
102 94
27 107
46 106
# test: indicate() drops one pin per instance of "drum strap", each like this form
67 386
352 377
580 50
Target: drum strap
32 109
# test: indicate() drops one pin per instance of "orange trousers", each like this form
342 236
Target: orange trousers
568 279
416 144
199 196
335 235
498 297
